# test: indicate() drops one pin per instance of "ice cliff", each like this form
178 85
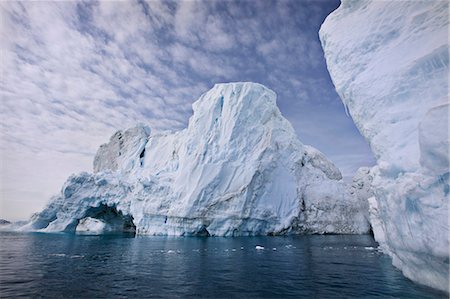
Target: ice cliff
389 63
237 169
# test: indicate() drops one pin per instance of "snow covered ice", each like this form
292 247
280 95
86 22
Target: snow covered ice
237 169
389 63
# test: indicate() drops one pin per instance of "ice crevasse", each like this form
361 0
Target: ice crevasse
237 169
389 63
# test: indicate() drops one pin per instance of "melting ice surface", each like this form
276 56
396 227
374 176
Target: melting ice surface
112 266
391 70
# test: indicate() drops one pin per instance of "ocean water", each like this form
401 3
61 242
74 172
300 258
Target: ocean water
117 266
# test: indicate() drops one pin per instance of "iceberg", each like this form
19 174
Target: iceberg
90 225
389 63
361 189
238 169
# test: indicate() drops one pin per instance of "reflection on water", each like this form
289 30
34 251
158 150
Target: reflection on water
63 265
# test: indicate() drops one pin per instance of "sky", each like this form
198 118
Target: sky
73 73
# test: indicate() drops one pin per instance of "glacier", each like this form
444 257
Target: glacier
389 63
238 169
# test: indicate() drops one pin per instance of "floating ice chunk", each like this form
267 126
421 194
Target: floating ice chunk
90 225
259 247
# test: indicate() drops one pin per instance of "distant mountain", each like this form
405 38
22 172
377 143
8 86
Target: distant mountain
4 222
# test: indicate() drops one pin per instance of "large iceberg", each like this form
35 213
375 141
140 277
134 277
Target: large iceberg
389 63
237 169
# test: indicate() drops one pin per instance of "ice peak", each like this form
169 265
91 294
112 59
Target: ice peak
227 107
116 154
242 94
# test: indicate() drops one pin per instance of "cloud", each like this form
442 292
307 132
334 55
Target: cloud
75 72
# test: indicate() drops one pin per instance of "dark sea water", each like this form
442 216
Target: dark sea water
117 266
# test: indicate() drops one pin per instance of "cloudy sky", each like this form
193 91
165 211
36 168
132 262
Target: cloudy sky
72 73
